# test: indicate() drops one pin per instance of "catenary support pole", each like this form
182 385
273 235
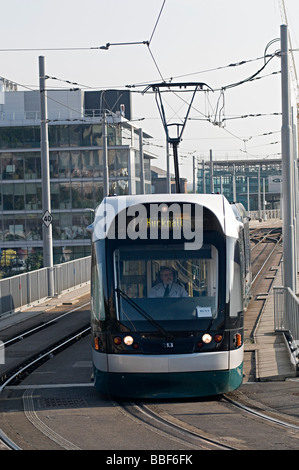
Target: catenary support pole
287 167
211 172
248 194
296 192
105 156
141 154
203 177
168 178
194 173
259 191
45 168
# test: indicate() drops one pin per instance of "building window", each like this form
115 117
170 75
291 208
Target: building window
63 136
12 166
64 165
65 196
32 166
54 195
97 135
33 196
17 137
77 196
31 137
76 164
80 221
13 197
13 228
87 135
88 197
5 137
54 165
19 199
62 254
75 136
87 164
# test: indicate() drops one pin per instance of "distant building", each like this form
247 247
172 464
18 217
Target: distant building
243 181
76 169
159 181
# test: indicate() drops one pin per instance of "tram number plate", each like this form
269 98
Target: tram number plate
167 345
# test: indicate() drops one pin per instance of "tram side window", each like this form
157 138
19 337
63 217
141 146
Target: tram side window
97 294
234 277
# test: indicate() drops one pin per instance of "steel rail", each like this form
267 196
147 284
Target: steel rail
261 415
42 356
41 327
180 431
266 261
8 442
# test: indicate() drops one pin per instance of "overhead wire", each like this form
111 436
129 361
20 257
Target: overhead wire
150 40
204 116
219 108
156 24
41 49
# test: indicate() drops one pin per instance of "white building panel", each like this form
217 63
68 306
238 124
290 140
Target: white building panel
13 108
63 104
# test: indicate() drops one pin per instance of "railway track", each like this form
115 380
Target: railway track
200 436
154 417
28 344
266 257
18 373
263 244
166 425
266 252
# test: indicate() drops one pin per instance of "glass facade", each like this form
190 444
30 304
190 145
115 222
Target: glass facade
76 184
242 181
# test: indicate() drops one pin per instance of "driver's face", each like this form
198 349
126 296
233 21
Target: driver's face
167 276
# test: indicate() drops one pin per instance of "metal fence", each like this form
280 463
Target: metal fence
264 215
286 311
29 288
286 320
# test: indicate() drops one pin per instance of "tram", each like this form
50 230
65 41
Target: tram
170 281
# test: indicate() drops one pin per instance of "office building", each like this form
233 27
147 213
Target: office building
76 169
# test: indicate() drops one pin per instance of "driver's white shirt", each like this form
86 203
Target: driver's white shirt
175 290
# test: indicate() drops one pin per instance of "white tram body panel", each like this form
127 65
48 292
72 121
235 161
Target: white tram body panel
216 203
192 346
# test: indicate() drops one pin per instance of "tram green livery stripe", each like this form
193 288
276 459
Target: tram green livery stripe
169 385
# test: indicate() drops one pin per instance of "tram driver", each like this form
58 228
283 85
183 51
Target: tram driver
167 287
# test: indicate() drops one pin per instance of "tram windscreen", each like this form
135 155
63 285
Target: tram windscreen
167 282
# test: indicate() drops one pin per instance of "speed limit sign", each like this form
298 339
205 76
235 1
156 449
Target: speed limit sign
47 218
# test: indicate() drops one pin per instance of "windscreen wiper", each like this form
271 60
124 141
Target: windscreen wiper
144 314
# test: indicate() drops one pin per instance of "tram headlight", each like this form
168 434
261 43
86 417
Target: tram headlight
206 338
128 340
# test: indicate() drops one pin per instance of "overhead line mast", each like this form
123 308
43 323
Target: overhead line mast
283 13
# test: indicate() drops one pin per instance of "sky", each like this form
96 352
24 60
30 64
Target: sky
189 41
